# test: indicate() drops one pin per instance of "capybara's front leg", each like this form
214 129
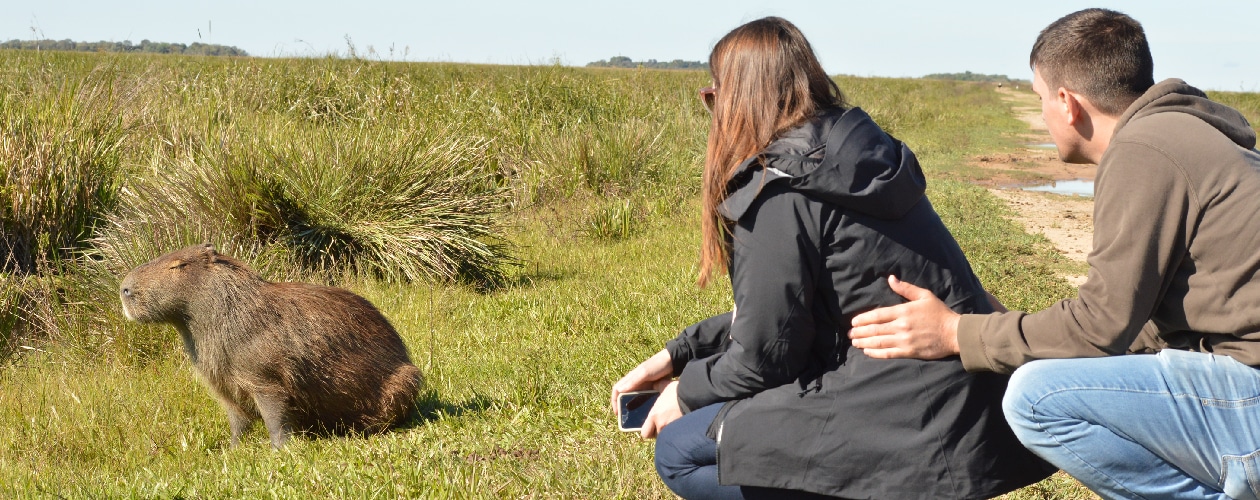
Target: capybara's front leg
239 422
240 416
273 406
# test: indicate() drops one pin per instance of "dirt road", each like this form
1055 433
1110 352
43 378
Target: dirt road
1067 221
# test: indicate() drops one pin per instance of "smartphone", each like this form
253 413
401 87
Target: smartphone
633 408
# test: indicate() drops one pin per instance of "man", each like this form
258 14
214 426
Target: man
1174 269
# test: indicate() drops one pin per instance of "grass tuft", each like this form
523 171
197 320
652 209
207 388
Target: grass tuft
613 221
60 154
397 206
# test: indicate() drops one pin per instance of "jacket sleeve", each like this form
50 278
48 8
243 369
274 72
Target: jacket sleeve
1141 211
775 264
700 340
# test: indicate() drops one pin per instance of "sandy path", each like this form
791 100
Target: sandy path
1067 221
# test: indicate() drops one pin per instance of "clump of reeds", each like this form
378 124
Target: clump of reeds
36 310
613 221
61 152
11 304
64 142
605 159
399 206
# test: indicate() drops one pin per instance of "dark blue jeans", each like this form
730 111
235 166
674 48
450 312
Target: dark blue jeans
686 460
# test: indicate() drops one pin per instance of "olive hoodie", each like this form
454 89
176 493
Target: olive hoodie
1176 247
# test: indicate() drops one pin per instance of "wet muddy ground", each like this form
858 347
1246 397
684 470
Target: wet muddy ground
1067 221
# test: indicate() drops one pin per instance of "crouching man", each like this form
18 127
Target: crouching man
1175 269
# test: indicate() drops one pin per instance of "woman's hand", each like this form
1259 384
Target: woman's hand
652 373
665 410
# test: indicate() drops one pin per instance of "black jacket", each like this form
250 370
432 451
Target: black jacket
821 218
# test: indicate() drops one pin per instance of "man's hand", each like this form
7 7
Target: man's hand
924 328
665 410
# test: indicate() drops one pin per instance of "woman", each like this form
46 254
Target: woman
809 206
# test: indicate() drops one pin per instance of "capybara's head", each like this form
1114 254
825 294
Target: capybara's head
161 289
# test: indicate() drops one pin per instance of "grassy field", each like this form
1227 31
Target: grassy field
583 185
1246 102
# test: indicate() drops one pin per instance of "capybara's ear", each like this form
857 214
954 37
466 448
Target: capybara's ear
207 248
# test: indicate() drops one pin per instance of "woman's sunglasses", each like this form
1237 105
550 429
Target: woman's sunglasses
708 96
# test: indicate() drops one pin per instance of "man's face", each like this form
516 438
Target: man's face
1054 112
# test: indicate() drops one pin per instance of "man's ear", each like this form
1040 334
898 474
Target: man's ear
1071 103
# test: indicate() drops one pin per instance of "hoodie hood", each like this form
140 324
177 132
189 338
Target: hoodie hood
840 157
1174 95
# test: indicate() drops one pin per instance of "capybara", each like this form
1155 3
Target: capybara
304 358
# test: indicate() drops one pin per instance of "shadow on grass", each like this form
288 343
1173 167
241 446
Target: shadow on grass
430 407
527 280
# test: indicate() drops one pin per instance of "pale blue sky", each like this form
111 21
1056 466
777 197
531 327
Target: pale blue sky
1212 45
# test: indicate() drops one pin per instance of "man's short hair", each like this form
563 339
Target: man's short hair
1099 53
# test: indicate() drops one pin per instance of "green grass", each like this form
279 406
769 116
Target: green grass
516 406
516 403
589 180
1246 102
944 122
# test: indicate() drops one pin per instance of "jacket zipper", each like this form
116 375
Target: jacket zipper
717 449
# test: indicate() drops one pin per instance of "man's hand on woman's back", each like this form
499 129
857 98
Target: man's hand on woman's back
923 328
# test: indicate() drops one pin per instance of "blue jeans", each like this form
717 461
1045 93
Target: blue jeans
686 459
1173 425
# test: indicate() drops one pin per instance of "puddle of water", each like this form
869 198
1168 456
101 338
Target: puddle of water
1043 145
1074 187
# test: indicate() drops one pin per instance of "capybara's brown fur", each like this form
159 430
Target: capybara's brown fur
304 358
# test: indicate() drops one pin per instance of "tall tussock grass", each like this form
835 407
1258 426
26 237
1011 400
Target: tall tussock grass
20 312
62 149
64 145
604 160
51 312
394 205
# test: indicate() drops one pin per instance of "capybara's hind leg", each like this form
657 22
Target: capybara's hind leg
399 396
273 406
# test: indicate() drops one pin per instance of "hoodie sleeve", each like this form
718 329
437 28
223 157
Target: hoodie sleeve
1139 241
700 340
776 262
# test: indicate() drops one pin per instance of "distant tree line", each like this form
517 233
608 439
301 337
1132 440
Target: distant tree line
145 46
968 76
625 62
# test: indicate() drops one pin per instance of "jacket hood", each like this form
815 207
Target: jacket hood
1174 95
840 157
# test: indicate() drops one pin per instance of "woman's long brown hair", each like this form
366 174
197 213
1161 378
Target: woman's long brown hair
768 81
